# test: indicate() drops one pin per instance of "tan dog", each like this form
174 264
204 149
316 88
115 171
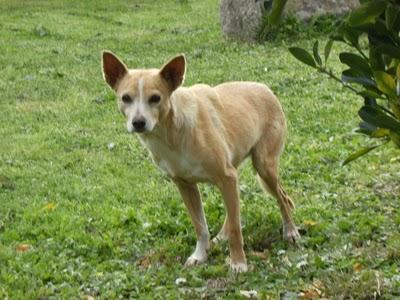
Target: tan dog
203 133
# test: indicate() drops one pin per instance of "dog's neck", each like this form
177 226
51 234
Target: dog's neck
183 110
176 121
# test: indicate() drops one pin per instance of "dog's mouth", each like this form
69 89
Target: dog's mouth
141 130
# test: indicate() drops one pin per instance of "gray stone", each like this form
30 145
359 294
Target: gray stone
305 9
242 19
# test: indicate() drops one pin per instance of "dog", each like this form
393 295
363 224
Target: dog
202 134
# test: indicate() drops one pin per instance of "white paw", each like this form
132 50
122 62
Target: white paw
195 260
219 238
199 255
290 233
236 267
239 267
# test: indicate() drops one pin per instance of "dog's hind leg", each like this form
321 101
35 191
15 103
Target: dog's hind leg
265 157
192 200
222 234
228 185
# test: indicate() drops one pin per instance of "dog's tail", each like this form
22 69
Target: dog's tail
282 193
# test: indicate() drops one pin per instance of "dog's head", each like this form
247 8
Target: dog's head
143 95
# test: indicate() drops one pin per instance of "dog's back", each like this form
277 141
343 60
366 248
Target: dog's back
232 115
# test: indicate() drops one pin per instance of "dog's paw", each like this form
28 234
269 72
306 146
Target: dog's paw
290 233
239 267
195 260
219 238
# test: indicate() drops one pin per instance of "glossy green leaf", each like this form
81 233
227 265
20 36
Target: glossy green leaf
385 83
395 137
359 80
316 54
389 50
303 56
356 62
391 14
369 93
378 30
368 101
358 154
327 50
337 38
396 25
378 118
350 35
376 60
366 128
367 12
395 107
380 133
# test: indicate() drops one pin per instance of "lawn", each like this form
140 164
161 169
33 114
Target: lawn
84 213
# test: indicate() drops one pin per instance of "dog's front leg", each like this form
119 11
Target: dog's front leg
192 200
230 192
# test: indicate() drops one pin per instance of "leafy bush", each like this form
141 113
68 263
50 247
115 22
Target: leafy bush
280 26
273 11
374 73
291 28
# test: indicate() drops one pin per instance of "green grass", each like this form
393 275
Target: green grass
102 221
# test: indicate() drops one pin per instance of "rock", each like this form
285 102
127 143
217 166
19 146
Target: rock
305 9
180 281
111 146
241 19
249 294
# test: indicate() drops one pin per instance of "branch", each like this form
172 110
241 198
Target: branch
333 76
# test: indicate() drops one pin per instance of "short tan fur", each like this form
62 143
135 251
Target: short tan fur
202 134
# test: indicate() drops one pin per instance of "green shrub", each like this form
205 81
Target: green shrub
273 11
374 74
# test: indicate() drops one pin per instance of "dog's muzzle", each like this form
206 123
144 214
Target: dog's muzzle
139 125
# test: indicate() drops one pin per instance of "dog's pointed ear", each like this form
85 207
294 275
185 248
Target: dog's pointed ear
173 72
113 69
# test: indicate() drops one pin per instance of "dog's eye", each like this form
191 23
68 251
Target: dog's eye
126 98
154 99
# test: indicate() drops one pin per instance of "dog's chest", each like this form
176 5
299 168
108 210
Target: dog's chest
175 162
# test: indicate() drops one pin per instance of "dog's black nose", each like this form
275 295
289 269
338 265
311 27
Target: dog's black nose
139 125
